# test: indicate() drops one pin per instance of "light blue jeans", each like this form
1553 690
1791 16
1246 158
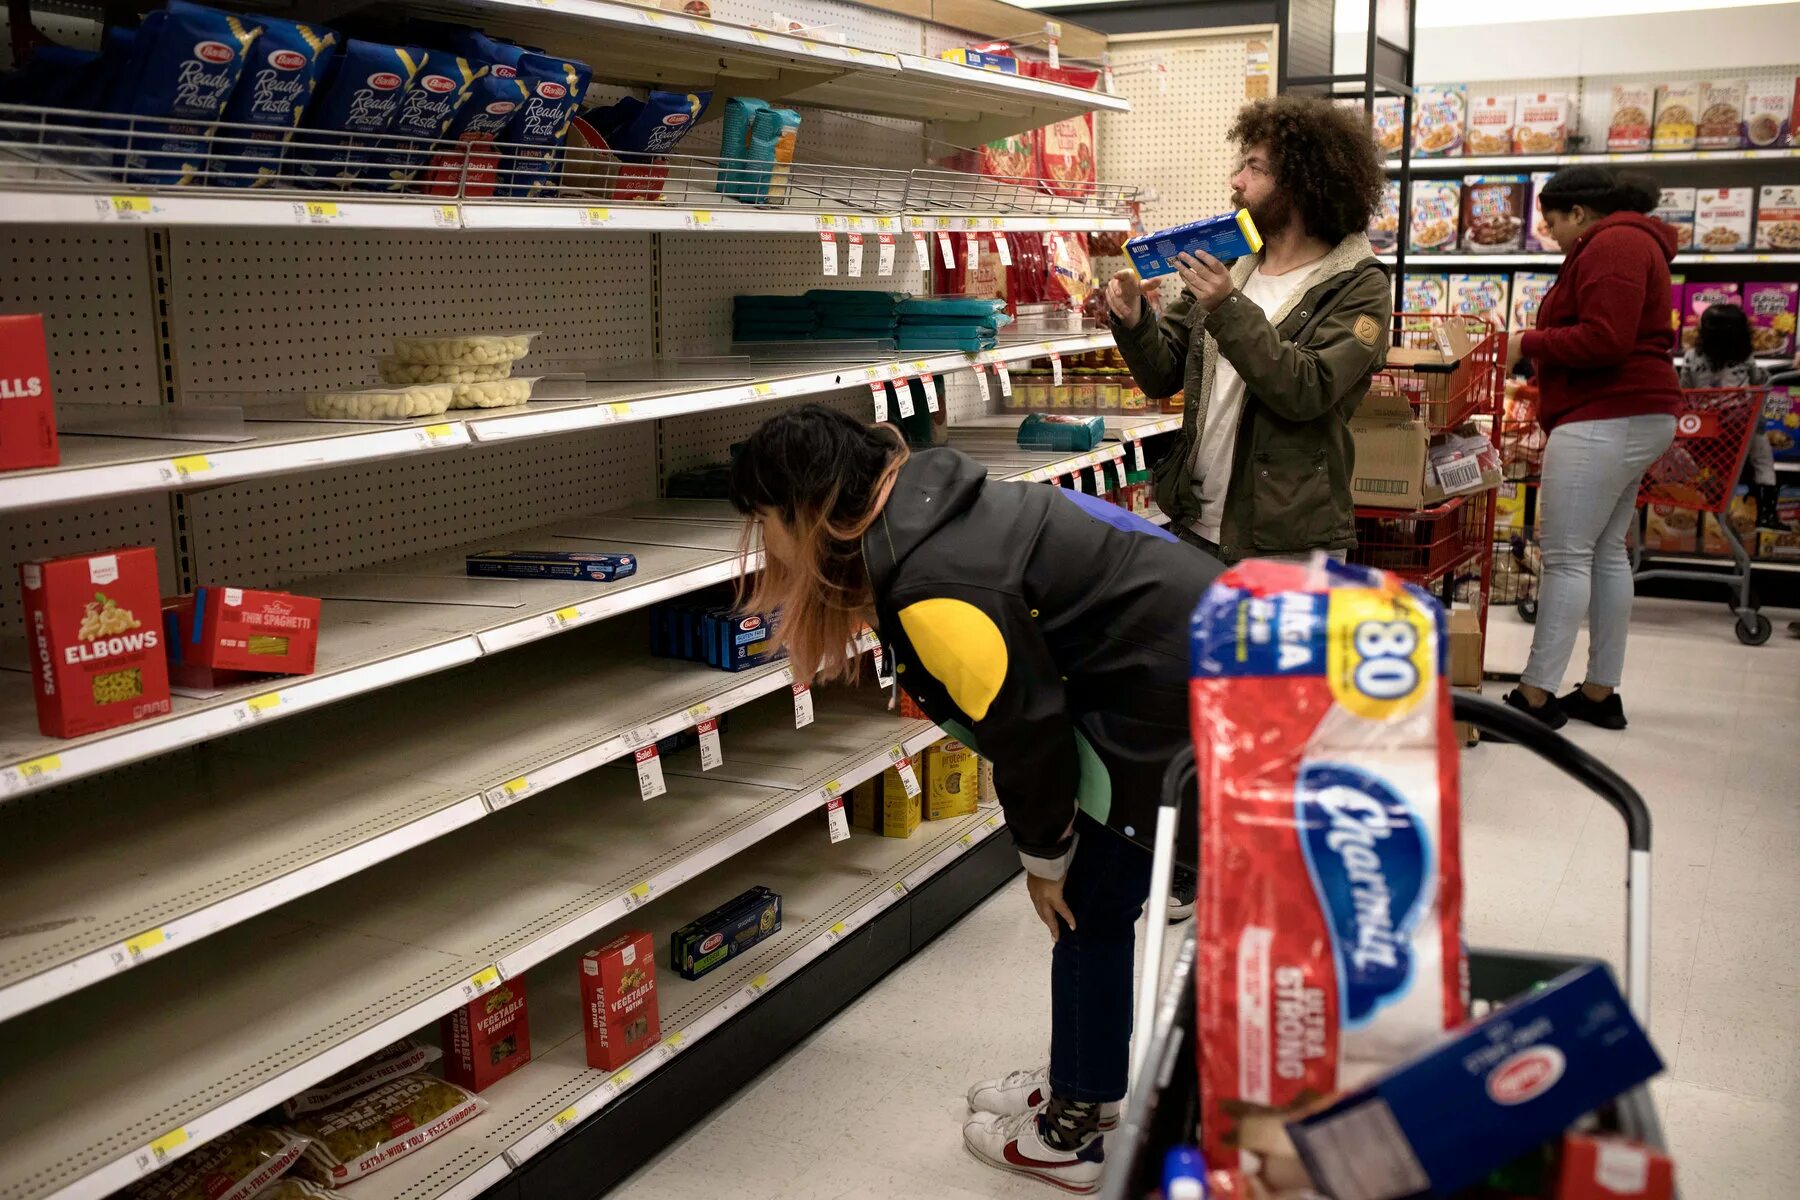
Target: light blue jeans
1588 495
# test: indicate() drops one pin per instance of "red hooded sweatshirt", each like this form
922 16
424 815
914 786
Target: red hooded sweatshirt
1604 341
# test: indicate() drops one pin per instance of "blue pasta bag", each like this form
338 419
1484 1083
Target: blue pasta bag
475 128
360 98
553 91
185 65
501 58
444 85
276 87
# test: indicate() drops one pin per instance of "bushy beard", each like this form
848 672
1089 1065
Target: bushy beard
1272 215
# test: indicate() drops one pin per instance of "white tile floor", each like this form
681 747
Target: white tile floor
871 1105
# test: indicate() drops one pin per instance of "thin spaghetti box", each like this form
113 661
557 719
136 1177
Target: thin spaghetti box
93 625
1225 237
1501 1086
488 1038
242 631
27 414
725 932
618 1000
551 564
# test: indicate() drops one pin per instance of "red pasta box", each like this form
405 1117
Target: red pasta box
96 649
618 1000
27 416
488 1038
1612 1168
251 630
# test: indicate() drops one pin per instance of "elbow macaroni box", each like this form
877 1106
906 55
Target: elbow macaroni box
1226 237
725 932
27 413
618 1000
488 1038
93 623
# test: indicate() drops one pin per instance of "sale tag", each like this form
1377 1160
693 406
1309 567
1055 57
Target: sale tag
1056 369
1075 480
903 393
1137 455
1099 481
1106 80
974 251
878 391
1005 377
885 264
1003 247
909 778
710 753
945 252
835 820
650 773
828 252
1053 31
929 383
803 708
853 260
923 251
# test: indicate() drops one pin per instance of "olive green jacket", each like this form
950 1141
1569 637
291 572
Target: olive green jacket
1304 373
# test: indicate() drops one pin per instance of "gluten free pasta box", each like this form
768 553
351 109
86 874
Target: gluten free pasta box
93 624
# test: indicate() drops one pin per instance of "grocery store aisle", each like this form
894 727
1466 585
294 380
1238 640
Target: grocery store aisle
871 1105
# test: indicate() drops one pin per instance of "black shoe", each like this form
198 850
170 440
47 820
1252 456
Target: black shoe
1607 714
1182 889
1549 713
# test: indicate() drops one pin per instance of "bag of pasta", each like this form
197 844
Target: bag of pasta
380 1127
390 1062
237 1166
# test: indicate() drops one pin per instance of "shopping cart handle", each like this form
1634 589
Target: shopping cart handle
1180 777
1573 761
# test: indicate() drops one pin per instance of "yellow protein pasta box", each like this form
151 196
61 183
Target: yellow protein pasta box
952 780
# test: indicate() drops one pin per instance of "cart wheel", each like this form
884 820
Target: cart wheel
1755 631
1528 611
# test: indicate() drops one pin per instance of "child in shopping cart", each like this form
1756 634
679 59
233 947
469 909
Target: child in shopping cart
1721 358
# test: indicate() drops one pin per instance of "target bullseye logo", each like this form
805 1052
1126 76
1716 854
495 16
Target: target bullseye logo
1689 424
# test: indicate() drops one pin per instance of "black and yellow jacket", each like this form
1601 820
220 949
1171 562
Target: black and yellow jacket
1047 629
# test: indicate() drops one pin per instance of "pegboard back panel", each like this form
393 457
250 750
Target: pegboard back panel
271 309
93 288
704 438
84 529
266 532
869 28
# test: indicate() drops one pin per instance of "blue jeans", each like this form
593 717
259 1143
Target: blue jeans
1589 489
1091 967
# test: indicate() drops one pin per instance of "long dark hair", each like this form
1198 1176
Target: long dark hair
823 474
1724 335
1600 189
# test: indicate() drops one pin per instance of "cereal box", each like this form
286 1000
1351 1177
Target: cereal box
1438 116
1671 530
1770 307
1675 208
951 770
1781 423
27 414
1697 299
1677 106
1491 121
1766 119
1424 293
1389 123
1778 217
1793 135
1384 224
618 1000
1479 295
488 1038
1721 115
1741 514
1722 219
1493 213
1528 288
93 627
1436 209
1537 234
1542 125
1628 128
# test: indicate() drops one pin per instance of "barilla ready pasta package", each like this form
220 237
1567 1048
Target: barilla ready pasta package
443 85
1331 881
272 94
553 91
185 61
359 98
477 125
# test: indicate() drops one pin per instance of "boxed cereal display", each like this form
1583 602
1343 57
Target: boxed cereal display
1491 122
488 1038
93 624
1427 292
1389 123
1721 125
27 412
1479 295
1537 234
1677 106
1722 219
1384 225
951 788
1628 129
1741 513
1493 213
618 1000
1778 217
1436 213
1696 299
1770 307
1438 116
1528 288
1766 119
1781 423
1675 208
1671 530
1542 125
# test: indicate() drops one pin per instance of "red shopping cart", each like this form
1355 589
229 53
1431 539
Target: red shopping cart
1698 475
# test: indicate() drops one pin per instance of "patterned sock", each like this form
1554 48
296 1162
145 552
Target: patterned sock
1069 1124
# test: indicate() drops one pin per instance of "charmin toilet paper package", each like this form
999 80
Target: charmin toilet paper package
1330 905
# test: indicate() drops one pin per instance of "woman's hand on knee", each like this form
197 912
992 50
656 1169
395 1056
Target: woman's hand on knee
1047 899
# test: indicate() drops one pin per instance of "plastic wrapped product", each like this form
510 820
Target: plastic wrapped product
639 132
390 1062
444 84
277 84
291 1187
470 169
464 350
235 1167
185 61
741 113
495 393
553 91
381 404
787 136
359 98
392 370
379 1127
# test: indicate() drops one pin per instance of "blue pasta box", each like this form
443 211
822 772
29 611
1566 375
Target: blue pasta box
1498 1088
725 932
551 564
1226 237
1006 64
736 640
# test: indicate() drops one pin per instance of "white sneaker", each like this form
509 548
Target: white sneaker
1024 1091
1013 1144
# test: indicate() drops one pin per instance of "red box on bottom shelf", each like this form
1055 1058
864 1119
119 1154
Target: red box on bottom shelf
618 1000
488 1038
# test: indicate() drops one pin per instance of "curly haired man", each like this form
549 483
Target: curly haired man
1274 351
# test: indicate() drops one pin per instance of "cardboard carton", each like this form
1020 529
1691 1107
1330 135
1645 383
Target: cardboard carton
1391 449
1465 648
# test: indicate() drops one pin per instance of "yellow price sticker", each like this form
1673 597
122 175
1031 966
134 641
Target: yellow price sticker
136 946
445 216
321 210
620 411
899 889
696 711
757 35
885 224
513 787
702 217
564 616
675 1040
131 204
167 1144
833 788
640 893
565 1118
482 980
438 433
654 18
267 702
596 216
827 221
622 1079
759 983
34 769
943 222
967 840
762 389
838 929
191 465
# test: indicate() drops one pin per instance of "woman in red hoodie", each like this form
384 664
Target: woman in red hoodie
1602 353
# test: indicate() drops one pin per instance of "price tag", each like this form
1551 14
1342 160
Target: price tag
131 951
700 218
158 1152
33 772
564 617
258 707
803 708
1106 81
1003 247
924 254
899 890
835 821
762 389
316 212
828 252
1099 480
444 216
710 753
1075 480
878 393
126 208
1005 378
929 383
974 250
639 895
756 986
190 466
1137 455
1162 78
884 263
510 792
853 257
903 393
945 251
650 772
436 435
1056 377
484 980
909 778
981 384
596 216
565 1118
1053 31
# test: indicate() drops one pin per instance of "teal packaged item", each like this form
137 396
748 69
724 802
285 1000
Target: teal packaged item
278 83
944 337
1063 434
443 85
950 306
185 62
734 141
725 932
360 98
553 91
1226 237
